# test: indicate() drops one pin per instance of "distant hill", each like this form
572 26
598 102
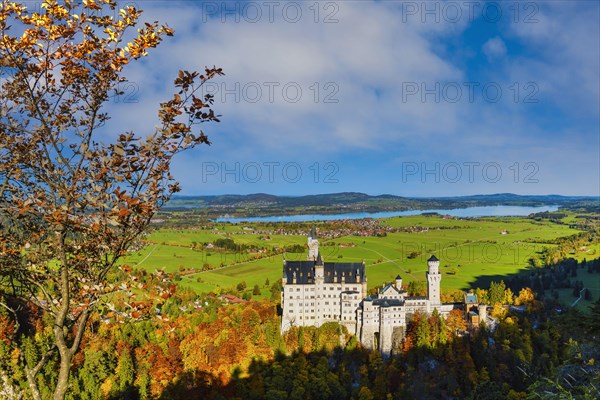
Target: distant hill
268 204
510 197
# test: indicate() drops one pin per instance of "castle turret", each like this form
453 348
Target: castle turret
482 313
313 245
284 277
364 280
433 264
398 282
433 281
319 270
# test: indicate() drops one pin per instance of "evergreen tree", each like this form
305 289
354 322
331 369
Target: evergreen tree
496 293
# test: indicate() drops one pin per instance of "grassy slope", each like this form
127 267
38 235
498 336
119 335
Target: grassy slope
474 250
591 282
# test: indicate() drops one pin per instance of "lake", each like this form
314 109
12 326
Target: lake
486 211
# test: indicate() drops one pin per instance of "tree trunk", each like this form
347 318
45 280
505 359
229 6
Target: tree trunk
33 388
60 334
62 384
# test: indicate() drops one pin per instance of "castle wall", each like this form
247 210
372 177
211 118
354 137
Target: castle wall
385 337
298 304
367 335
315 304
392 322
369 324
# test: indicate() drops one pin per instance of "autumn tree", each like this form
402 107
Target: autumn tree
74 190
525 297
455 322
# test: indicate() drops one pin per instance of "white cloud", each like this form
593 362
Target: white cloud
494 49
366 62
562 55
345 62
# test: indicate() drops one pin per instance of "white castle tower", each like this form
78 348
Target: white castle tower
313 245
433 282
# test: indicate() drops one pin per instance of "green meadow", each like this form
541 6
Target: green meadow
591 282
470 251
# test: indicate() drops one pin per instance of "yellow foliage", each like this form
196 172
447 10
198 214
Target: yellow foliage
526 296
106 387
498 311
15 356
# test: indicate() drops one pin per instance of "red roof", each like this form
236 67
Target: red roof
233 299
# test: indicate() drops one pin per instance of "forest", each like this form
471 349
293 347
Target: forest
177 344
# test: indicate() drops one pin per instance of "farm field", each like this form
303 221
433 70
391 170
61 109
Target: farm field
470 250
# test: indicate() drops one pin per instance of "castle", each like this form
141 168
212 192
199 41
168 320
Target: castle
315 292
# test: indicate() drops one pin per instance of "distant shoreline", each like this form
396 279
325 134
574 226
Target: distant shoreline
466 212
266 205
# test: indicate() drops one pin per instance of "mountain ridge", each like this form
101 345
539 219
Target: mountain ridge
385 201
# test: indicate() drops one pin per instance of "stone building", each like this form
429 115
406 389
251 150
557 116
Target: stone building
475 312
315 292
382 319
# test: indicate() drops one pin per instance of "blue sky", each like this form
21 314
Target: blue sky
408 98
